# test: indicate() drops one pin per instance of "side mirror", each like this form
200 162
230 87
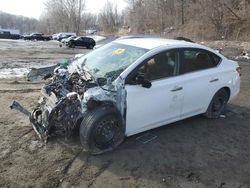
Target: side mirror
143 82
146 84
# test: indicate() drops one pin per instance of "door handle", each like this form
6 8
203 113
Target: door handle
214 80
177 88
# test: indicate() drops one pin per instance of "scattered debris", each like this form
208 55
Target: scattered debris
222 116
193 177
145 138
221 185
36 74
125 178
66 97
243 56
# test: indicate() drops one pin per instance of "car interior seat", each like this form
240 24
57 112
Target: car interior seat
158 68
202 61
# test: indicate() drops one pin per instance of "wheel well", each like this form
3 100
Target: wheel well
227 89
92 103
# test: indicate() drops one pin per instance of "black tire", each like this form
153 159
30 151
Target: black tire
91 46
71 45
101 130
217 104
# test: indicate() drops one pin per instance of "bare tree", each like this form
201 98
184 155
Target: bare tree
109 19
64 15
23 24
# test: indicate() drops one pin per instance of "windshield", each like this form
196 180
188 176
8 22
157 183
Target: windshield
110 60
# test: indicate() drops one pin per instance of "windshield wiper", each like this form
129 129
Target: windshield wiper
83 70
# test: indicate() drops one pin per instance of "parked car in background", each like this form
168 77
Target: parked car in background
65 40
81 42
37 36
133 85
5 35
91 31
63 35
9 34
54 36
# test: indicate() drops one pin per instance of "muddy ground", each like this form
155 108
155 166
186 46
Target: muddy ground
195 152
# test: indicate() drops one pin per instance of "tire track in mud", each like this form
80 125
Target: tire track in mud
82 169
71 161
16 144
104 167
22 135
74 166
73 170
20 90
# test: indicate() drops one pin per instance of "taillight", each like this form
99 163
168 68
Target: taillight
238 69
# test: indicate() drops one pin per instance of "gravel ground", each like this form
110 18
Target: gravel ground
195 152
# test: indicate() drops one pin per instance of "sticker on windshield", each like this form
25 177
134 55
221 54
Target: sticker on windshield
118 51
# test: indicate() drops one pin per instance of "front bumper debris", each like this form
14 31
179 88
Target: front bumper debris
53 117
17 106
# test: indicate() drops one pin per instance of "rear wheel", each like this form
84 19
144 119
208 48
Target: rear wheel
91 46
101 130
217 105
71 45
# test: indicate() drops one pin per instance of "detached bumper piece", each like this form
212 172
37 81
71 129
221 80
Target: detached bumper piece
17 106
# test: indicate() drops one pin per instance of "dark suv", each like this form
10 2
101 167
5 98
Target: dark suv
81 41
37 36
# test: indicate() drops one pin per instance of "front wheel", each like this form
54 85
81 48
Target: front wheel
217 104
101 130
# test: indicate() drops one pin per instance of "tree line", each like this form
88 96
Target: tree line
202 18
21 23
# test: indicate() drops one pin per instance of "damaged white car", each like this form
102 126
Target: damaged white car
132 85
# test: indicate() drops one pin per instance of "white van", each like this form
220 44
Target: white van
12 31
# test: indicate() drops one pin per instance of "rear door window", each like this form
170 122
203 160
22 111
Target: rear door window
198 59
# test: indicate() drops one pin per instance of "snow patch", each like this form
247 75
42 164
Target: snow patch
8 73
244 56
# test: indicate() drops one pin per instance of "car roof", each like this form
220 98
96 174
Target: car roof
150 43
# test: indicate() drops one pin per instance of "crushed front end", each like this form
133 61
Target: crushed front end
61 107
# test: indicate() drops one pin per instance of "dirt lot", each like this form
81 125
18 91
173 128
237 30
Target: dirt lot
195 152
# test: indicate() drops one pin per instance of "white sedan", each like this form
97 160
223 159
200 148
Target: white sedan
162 81
133 85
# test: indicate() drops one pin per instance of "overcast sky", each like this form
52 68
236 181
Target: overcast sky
34 8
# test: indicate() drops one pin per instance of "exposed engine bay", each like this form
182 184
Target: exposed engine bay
66 96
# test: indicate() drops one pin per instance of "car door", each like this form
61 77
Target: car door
78 41
84 42
201 80
38 37
161 103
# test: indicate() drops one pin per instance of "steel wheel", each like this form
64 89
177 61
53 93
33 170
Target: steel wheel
217 104
102 130
106 132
